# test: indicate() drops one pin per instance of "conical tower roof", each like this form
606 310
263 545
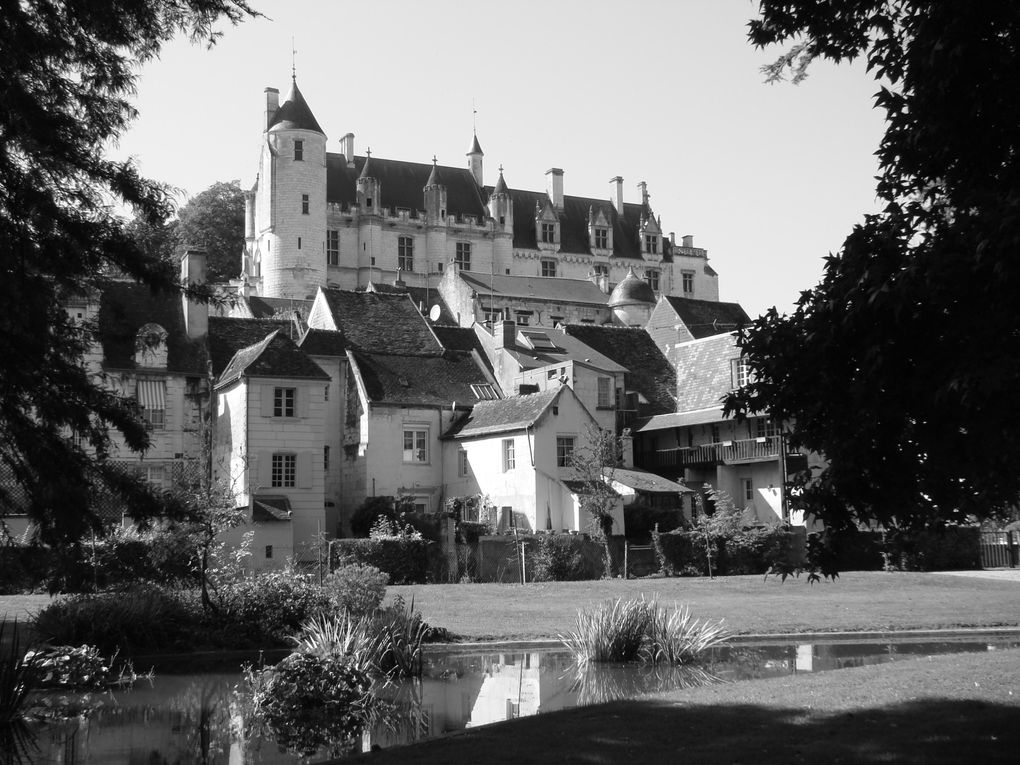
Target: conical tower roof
632 289
475 147
500 187
435 179
365 171
294 113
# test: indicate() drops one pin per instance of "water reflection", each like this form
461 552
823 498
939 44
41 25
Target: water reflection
203 719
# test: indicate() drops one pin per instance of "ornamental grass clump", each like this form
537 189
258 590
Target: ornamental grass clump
640 630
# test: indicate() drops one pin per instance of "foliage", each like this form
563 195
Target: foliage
142 619
271 605
67 71
595 464
214 220
384 528
16 673
311 701
640 520
368 512
357 589
158 238
888 367
563 558
639 629
405 560
77 668
754 550
341 633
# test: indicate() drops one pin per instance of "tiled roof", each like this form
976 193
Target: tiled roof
549 288
323 342
424 298
275 355
410 380
227 336
569 348
458 338
703 371
125 307
648 371
294 113
504 415
704 318
381 323
270 507
648 483
679 420
401 185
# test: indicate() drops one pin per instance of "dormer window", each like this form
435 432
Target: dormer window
651 244
601 238
299 150
549 233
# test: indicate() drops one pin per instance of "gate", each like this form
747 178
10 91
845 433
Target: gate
1000 549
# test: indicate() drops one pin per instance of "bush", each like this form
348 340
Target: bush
405 560
640 521
357 589
756 550
565 558
951 547
270 606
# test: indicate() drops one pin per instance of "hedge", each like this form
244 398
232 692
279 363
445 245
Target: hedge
405 560
751 551
952 547
565 558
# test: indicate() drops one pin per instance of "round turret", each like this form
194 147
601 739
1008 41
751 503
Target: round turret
632 300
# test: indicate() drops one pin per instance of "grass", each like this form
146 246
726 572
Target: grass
947 709
857 601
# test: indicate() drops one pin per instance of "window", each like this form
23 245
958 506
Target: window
283 402
523 319
548 268
652 277
299 242
325 458
651 243
688 282
299 150
439 268
601 238
766 428
368 203
509 461
462 463
269 551
152 397
605 400
602 269
332 247
405 253
284 474
155 419
484 391
740 373
564 450
416 445
304 204
716 438
747 489
463 256
156 476
420 504
325 392
549 232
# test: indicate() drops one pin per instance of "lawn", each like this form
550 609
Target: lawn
856 601
947 709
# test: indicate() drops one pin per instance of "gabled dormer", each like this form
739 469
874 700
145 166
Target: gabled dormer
650 230
600 231
435 196
501 206
547 226
151 347
368 188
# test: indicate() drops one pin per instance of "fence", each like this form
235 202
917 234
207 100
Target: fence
1000 549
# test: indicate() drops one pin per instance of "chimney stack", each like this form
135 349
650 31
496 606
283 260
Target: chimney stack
347 148
196 313
554 186
505 333
688 240
272 104
616 193
644 192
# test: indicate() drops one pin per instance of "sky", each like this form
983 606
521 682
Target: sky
769 178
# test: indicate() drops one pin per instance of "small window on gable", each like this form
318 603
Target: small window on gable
549 232
601 238
283 402
651 244
368 203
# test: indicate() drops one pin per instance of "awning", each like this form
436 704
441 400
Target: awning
151 393
270 507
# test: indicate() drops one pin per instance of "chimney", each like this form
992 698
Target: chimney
616 193
249 215
688 240
272 104
554 186
505 333
672 239
196 313
347 148
644 192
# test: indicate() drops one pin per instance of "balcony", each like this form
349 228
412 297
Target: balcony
723 453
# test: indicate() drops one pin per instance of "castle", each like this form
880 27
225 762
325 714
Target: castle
316 218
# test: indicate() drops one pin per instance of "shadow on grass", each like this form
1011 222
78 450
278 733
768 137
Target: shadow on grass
927 731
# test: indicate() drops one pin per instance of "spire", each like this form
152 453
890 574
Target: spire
500 184
475 147
435 179
365 173
294 114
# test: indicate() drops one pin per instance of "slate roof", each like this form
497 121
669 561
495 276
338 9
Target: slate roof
239 346
381 323
422 297
703 371
504 415
323 342
548 288
679 420
409 380
294 113
704 318
401 184
645 482
125 307
270 507
648 370
459 339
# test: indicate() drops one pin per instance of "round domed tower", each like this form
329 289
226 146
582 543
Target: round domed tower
632 301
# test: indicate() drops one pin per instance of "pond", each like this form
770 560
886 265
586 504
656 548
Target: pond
203 718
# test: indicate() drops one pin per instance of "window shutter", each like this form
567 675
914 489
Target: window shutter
302 395
267 400
304 470
265 470
734 372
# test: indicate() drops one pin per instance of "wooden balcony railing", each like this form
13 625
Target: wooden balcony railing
725 452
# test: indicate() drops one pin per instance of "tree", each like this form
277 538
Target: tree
157 239
66 70
214 219
595 466
900 366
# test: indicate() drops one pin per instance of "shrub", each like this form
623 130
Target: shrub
565 558
77 668
755 550
405 560
357 589
951 547
640 520
16 673
270 606
341 633
673 637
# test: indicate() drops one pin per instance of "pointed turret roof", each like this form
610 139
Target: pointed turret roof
294 113
435 179
500 187
475 147
365 172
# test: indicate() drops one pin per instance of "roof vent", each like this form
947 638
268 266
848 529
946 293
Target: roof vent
403 382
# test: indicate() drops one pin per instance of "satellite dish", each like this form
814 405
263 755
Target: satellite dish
434 313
